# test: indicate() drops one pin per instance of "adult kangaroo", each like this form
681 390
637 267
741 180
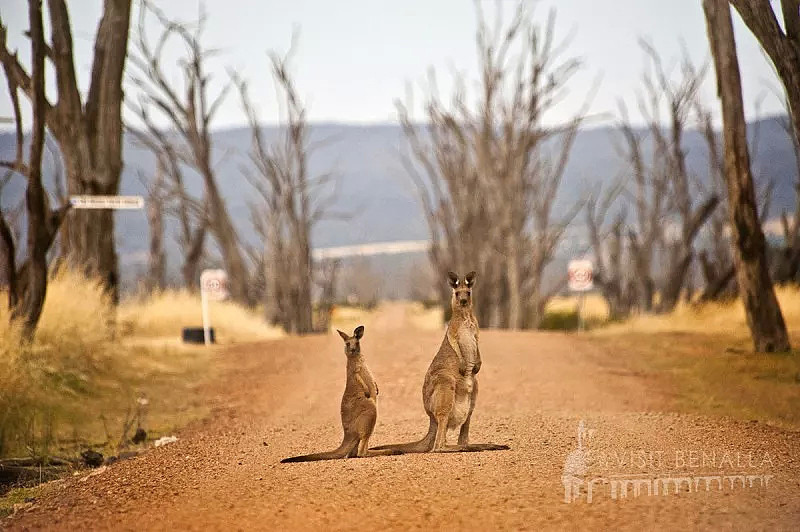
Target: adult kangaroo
359 407
451 385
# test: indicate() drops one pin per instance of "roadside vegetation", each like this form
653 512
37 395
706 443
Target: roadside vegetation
702 357
92 373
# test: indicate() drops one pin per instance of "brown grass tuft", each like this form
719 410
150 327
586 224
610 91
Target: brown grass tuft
78 382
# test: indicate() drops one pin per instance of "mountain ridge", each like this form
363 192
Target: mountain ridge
372 187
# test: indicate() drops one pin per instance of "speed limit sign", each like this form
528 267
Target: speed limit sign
214 284
213 287
579 275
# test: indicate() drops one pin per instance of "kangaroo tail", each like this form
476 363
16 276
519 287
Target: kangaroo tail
383 452
422 446
344 450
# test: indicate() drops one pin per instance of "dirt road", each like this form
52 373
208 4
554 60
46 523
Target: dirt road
282 397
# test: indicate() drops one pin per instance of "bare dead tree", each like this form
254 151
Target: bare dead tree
782 45
681 99
190 110
787 262
190 212
265 215
9 221
667 218
607 241
764 316
57 255
716 259
361 282
327 279
329 272
28 283
156 279
289 206
88 130
487 176
649 196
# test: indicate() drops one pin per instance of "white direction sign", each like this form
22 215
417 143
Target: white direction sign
579 275
106 202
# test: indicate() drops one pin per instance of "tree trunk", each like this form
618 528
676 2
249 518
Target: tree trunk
89 133
302 280
193 255
272 273
764 316
645 289
88 237
90 136
536 311
33 281
157 263
227 237
671 291
783 48
9 262
515 305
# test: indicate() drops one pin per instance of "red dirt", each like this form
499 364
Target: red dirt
281 398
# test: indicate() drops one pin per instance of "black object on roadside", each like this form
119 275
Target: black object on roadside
139 436
195 335
92 458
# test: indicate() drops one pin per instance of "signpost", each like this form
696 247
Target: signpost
106 202
579 279
213 287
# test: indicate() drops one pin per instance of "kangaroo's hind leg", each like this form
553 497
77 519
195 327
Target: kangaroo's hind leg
363 447
463 435
366 426
442 402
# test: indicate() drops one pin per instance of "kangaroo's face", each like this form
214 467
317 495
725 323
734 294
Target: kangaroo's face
462 289
352 348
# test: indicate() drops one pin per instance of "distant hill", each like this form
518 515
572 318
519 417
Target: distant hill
373 189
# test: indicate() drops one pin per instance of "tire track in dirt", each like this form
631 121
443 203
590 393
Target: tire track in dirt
281 398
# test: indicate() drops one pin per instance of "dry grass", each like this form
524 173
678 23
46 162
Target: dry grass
594 306
78 382
703 358
15 498
726 317
425 318
163 315
389 314
561 312
348 318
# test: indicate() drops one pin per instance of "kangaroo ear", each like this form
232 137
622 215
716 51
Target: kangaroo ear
359 332
343 335
452 279
470 279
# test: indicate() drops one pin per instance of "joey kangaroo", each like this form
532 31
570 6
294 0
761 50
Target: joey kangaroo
359 407
451 386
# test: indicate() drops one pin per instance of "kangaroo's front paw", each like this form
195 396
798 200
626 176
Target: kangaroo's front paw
476 368
366 394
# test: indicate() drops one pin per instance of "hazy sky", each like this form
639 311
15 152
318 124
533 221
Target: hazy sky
355 57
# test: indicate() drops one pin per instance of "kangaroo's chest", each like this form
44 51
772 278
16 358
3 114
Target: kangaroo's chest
360 381
368 380
468 343
465 384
